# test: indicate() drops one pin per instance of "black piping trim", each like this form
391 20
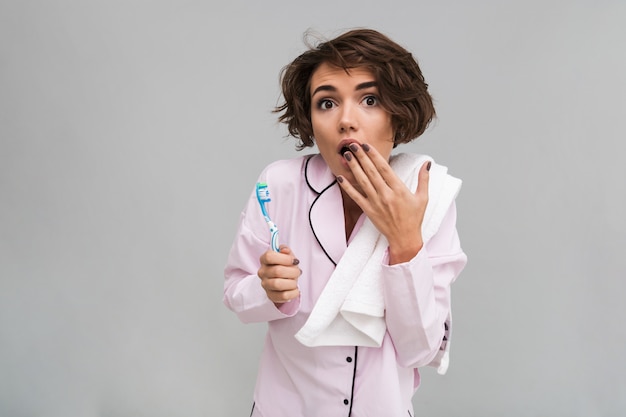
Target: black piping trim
319 194
313 230
356 354
252 411
306 174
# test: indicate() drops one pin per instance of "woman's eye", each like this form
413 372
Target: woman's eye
370 100
325 104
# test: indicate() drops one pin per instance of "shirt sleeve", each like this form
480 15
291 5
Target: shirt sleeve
243 293
417 295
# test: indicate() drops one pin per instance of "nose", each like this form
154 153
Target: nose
348 119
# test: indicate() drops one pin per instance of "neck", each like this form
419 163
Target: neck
351 214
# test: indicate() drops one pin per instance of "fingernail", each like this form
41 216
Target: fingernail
340 178
348 156
428 166
295 261
365 147
353 147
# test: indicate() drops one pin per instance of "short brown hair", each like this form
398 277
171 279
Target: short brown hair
402 88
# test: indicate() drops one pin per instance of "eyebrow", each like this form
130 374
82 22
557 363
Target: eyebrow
362 86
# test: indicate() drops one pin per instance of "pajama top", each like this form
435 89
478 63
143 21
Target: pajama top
353 381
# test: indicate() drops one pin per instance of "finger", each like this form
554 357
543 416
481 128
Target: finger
423 179
284 257
352 192
383 170
291 272
279 284
280 290
365 172
281 297
287 251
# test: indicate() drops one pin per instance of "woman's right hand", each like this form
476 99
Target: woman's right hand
279 273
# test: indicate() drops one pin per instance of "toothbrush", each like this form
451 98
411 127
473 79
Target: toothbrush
263 195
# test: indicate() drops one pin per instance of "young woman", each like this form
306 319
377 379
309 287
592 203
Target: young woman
358 297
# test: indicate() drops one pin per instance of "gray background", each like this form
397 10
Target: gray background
131 133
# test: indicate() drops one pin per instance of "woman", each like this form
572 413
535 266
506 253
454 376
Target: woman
358 297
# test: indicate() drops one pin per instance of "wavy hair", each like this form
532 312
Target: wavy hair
402 88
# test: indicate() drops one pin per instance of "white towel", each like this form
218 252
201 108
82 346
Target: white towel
351 310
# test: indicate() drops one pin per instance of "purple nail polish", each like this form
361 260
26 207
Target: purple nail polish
353 147
295 261
428 166
340 178
365 147
348 156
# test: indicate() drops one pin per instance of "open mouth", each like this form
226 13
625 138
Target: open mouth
343 150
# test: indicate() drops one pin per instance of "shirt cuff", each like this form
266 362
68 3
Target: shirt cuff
420 255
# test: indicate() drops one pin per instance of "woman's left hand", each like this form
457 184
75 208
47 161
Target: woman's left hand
395 211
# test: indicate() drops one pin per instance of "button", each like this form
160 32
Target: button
349 359
346 402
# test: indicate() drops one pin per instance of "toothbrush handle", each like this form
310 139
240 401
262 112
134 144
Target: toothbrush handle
274 238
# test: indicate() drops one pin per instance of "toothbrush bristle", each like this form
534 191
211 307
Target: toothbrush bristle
263 192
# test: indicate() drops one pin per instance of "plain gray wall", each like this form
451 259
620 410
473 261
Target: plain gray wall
131 133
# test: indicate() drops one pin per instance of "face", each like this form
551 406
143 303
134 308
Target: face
345 108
